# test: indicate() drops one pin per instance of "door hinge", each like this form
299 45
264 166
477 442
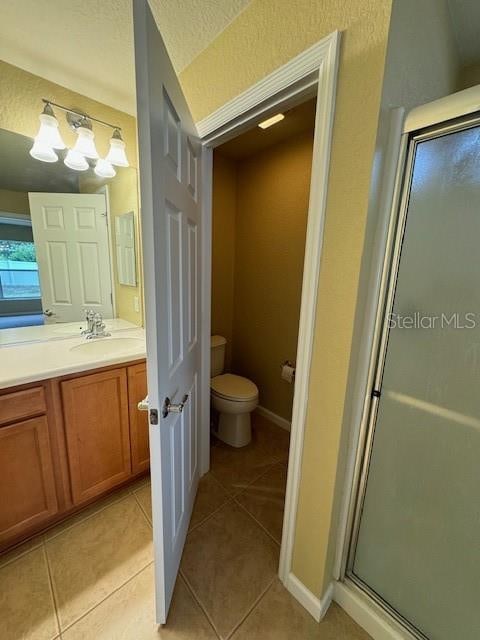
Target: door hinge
376 393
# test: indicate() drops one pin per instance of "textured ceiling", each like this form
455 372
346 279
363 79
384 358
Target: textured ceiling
87 45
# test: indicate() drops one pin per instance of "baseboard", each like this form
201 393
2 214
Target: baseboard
273 417
367 615
315 607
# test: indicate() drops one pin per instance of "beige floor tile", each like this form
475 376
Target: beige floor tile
210 497
85 513
20 550
144 496
229 561
26 605
128 614
98 555
265 499
141 482
237 468
278 616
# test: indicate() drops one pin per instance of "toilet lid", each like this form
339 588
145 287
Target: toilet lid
233 387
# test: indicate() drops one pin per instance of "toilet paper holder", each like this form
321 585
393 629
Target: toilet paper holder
288 363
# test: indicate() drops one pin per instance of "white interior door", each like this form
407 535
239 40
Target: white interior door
71 242
170 160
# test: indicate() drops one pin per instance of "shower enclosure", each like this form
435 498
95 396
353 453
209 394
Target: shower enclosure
415 546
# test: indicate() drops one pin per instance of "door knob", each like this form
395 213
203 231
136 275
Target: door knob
168 407
143 405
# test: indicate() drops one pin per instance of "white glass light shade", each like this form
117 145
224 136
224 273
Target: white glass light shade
76 161
48 134
85 143
104 169
117 155
43 152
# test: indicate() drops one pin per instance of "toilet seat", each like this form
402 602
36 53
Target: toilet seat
234 388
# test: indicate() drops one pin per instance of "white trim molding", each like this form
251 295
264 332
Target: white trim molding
273 417
315 607
367 614
313 72
295 77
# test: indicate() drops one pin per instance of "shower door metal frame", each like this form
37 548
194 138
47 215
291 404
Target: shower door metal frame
391 265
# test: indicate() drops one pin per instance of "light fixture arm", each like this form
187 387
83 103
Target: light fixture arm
84 118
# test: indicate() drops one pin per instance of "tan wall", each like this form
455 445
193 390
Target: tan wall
21 96
14 201
264 36
272 205
223 249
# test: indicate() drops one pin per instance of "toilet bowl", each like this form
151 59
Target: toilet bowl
234 398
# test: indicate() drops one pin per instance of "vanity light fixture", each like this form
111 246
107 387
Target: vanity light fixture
49 139
117 155
75 160
85 143
269 121
104 169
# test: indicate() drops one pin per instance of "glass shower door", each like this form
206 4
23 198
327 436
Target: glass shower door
417 543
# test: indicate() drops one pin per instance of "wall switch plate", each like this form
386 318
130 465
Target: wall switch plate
136 304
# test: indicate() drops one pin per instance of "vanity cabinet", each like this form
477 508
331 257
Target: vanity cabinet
97 432
65 442
28 495
139 444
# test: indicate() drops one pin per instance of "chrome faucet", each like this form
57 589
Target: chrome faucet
95 326
89 316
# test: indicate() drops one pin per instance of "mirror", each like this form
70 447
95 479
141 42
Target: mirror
68 242
125 246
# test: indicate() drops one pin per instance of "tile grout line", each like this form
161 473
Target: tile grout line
210 515
257 522
53 594
251 610
203 609
237 493
81 519
150 523
5 563
97 604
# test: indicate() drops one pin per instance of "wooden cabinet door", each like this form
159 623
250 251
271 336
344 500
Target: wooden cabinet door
96 427
137 390
27 485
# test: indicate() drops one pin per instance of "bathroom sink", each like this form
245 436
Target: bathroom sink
108 346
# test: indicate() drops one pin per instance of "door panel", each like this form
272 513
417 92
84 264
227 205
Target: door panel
73 253
27 485
170 155
98 449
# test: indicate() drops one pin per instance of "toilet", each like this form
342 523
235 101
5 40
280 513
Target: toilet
233 397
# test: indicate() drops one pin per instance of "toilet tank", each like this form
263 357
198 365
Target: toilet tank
217 355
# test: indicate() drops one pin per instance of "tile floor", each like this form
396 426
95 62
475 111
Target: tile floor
91 577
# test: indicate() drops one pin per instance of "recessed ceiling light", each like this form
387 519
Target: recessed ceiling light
273 120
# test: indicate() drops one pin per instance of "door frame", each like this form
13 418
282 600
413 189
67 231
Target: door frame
312 72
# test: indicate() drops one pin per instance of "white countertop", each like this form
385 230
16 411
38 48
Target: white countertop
56 331
23 363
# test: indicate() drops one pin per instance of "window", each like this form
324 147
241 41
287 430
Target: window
18 270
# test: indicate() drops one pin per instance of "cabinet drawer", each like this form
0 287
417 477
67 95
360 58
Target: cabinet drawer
22 404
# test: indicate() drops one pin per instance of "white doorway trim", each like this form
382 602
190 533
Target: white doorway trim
313 72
